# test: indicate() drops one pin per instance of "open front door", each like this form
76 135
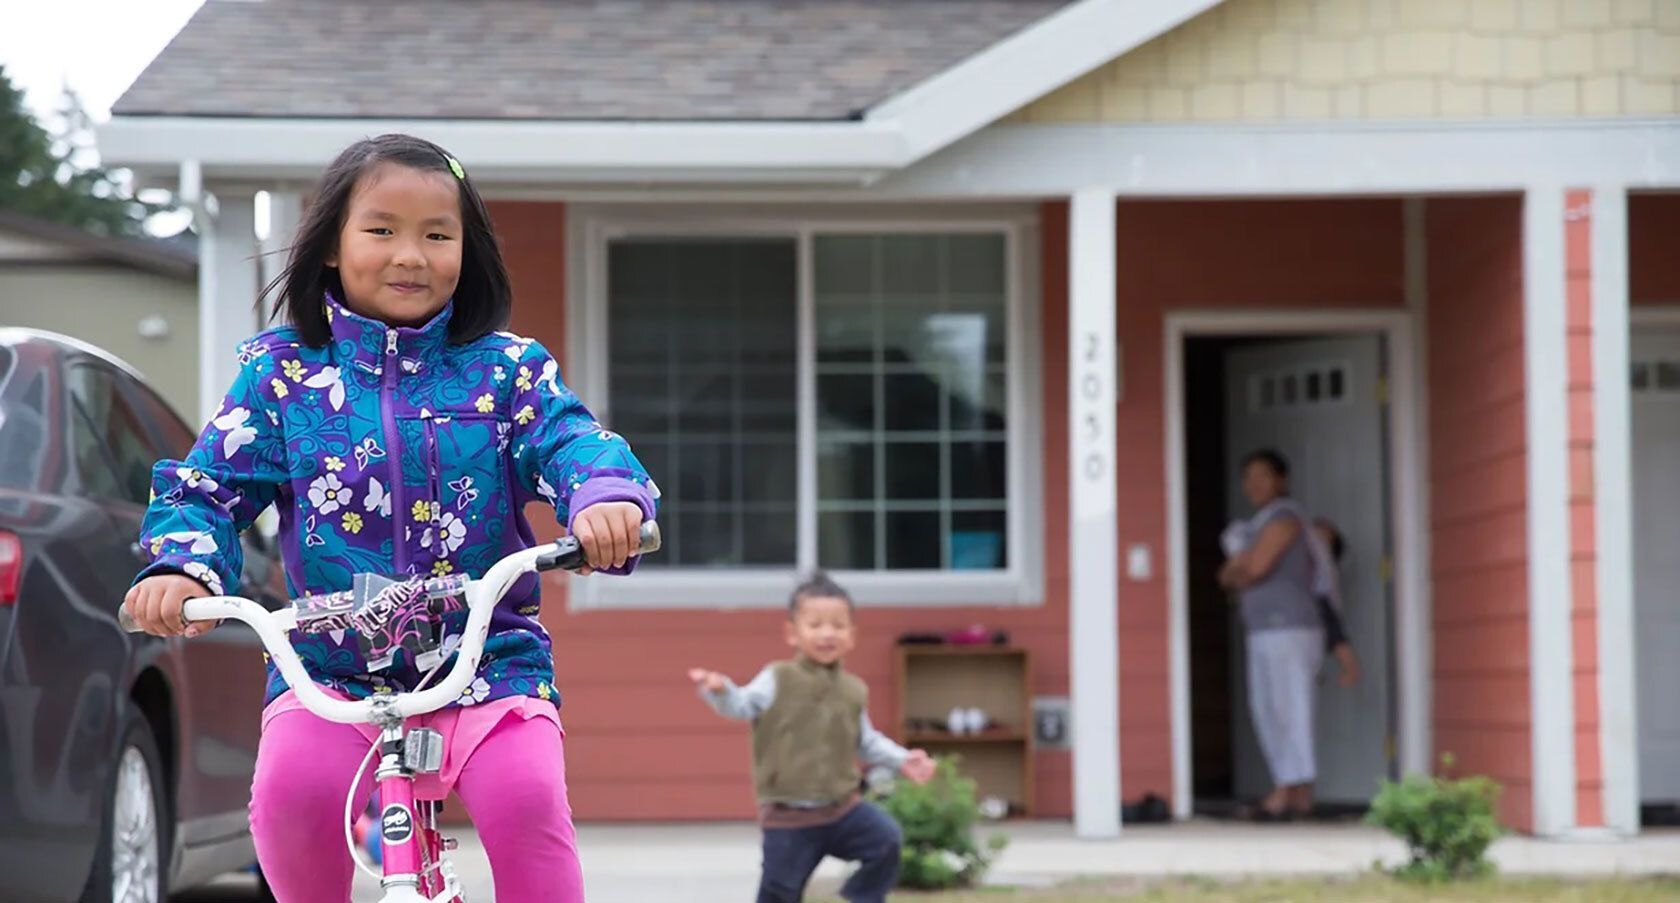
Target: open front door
1321 402
1656 569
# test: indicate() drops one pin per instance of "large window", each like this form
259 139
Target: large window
898 342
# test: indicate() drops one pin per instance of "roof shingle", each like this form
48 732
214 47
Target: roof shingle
715 60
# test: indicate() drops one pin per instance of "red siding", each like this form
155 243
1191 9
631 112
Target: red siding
1653 237
1478 500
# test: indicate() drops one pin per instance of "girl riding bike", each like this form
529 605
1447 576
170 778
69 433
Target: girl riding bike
398 432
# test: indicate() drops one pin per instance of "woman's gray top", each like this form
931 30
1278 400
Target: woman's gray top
1284 598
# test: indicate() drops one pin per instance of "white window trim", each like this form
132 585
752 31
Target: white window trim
1019 584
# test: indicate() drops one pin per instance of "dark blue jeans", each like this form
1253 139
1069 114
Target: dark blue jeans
865 835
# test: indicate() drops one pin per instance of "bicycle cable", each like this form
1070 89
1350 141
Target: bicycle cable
350 798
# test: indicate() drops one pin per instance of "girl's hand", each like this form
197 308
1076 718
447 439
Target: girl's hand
610 532
919 767
156 601
710 681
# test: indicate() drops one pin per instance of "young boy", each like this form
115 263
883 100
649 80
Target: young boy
1335 633
810 726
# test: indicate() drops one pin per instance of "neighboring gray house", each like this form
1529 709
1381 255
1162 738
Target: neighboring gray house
135 298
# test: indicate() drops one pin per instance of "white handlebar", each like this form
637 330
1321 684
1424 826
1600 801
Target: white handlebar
272 627
482 598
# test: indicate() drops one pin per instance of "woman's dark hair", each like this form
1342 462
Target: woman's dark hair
483 296
818 586
1272 458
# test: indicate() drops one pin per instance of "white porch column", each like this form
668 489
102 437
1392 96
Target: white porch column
285 208
1613 493
1093 534
1546 385
227 291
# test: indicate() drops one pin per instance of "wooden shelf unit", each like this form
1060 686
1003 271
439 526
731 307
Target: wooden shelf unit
935 678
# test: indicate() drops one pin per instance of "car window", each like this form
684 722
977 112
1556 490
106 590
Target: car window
172 438
106 430
28 460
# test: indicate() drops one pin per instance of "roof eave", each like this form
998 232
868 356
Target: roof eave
514 151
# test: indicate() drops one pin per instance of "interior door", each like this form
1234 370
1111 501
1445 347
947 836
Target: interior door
1656 569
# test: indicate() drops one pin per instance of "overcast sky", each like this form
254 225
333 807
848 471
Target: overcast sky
97 47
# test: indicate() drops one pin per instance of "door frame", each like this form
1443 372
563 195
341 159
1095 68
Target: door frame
1409 481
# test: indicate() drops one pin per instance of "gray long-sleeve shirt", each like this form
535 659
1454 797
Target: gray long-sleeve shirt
748 702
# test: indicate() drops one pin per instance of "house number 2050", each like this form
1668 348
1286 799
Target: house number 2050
1091 390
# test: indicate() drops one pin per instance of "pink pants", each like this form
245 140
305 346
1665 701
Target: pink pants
504 759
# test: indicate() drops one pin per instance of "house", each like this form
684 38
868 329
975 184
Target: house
980 302
135 298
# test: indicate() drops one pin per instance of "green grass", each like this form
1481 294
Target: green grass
1373 889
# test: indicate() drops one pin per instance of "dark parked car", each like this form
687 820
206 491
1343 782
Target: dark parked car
125 760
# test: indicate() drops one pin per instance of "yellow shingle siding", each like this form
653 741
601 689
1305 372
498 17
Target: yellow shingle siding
1260 60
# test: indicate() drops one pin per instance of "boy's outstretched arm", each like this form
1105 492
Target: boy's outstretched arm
745 703
877 748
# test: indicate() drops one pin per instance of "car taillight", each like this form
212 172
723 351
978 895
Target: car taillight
11 567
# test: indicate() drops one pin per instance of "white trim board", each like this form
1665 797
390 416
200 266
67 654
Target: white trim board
1021 583
297 149
1309 158
1410 482
869 160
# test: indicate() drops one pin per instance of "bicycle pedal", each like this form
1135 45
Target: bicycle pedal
423 751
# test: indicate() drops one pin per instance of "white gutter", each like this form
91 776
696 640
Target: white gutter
270 150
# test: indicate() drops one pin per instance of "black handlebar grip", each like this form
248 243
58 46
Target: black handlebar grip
568 552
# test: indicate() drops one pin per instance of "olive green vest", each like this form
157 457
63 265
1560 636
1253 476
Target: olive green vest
805 746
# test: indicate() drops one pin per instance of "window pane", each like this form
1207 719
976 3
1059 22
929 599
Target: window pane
695 323
706 537
912 470
846 402
978 401
979 540
846 540
846 471
770 473
920 319
912 401
766 537
978 471
913 539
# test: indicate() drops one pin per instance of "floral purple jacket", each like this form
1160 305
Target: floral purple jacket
391 451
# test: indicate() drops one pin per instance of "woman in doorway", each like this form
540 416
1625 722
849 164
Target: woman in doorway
1273 563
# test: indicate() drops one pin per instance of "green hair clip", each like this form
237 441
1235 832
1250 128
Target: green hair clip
455 167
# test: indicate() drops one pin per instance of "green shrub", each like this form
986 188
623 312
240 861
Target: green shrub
938 821
1447 823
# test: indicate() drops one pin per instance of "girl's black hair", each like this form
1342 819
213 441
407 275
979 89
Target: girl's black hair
483 296
1272 458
